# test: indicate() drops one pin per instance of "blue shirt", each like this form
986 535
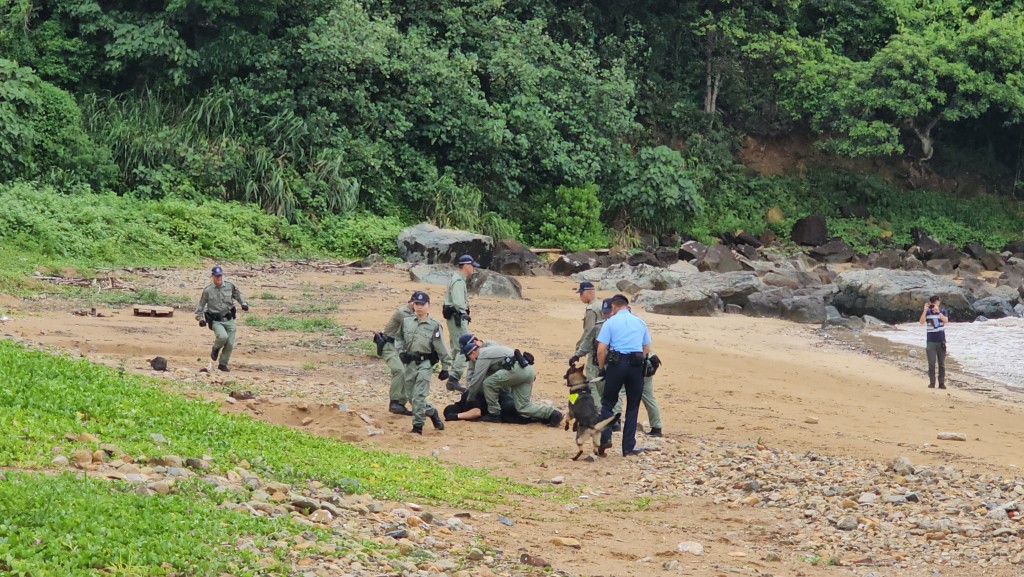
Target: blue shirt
625 333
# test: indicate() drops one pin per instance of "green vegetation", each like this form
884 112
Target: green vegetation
313 308
43 398
64 525
300 324
165 133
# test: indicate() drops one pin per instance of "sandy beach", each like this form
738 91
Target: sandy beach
727 381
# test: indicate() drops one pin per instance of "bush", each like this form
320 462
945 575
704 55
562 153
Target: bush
657 191
360 234
569 218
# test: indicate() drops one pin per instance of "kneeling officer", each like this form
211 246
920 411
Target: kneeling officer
497 367
216 309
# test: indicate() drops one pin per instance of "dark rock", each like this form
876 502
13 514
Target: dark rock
643 258
512 258
925 247
994 307
667 256
767 304
769 237
719 259
834 251
158 363
854 211
810 231
1015 247
793 279
368 262
746 251
305 505
982 289
733 309
425 243
897 296
397 534
910 263
804 309
992 261
692 250
948 252
748 239
887 258
493 284
969 266
669 240
939 266
435 274
680 302
975 250
826 274
574 263
633 279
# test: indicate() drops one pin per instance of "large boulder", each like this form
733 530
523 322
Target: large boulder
437 274
939 266
632 279
692 250
833 251
643 257
810 231
898 296
790 278
808 309
767 304
667 256
426 243
886 258
511 257
718 258
680 302
576 262
994 307
493 284
593 275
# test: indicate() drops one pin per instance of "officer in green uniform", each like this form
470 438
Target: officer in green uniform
456 314
420 347
499 367
592 319
389 353
216 309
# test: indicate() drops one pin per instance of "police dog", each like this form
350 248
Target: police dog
583 414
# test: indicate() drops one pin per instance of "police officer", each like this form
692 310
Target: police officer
499 367
591 370
591 315
386 341
420 347
216 309
456 315
623 346
648 399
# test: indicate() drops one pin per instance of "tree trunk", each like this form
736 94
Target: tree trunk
709 76
925 136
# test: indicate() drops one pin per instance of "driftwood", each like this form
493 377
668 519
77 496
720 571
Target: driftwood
109 283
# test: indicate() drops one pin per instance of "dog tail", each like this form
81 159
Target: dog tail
602 425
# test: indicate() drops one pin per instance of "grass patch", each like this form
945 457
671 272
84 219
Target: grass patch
313 308
69 526
302 325
356 286
116 297
43 397
269 296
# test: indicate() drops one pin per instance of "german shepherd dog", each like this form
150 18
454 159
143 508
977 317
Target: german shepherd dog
583 413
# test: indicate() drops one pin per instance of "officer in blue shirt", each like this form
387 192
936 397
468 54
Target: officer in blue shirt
622 349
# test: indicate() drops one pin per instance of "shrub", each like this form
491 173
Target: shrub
357 235
657 191
569 218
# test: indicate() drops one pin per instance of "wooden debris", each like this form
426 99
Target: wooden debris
152 311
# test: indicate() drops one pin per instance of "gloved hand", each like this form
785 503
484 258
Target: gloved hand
202 323
443 376
600 373
245 308
653 363
406 358
529 358
574 359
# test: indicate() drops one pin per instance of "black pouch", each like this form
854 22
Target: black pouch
378 339
209 319
448 311
636 359
232 314
434 358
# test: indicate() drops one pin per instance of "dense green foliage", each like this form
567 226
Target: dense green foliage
43 397
480 114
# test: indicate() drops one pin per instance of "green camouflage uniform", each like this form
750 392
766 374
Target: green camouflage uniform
457 296
491 373
650 403
418 337
217 300
390 354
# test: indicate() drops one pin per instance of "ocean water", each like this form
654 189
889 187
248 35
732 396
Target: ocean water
989 349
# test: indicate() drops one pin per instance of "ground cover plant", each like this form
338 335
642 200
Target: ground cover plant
44 397
313 324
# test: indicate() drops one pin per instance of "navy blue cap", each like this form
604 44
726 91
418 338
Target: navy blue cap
217 271
469 347
465 339
585 286
468 259
606 306
420 297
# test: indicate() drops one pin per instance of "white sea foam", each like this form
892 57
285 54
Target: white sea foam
989 349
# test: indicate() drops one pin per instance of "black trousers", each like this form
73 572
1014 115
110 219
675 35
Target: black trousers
616 376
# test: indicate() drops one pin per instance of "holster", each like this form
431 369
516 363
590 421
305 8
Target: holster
448 311
378 339
209 319
637 360
612 357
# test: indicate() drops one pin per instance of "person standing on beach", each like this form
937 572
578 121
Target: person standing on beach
456 317
217 310
934 317
623 347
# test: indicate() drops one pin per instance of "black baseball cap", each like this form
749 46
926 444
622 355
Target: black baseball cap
420 297
469 347
585 286
465 339
217 271
606 306
468 259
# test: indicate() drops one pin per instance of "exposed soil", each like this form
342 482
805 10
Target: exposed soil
729 379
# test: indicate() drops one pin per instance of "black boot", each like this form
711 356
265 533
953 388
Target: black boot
435 420
214 353
489 418
417 429
654 432
453 385
399 408
224 368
